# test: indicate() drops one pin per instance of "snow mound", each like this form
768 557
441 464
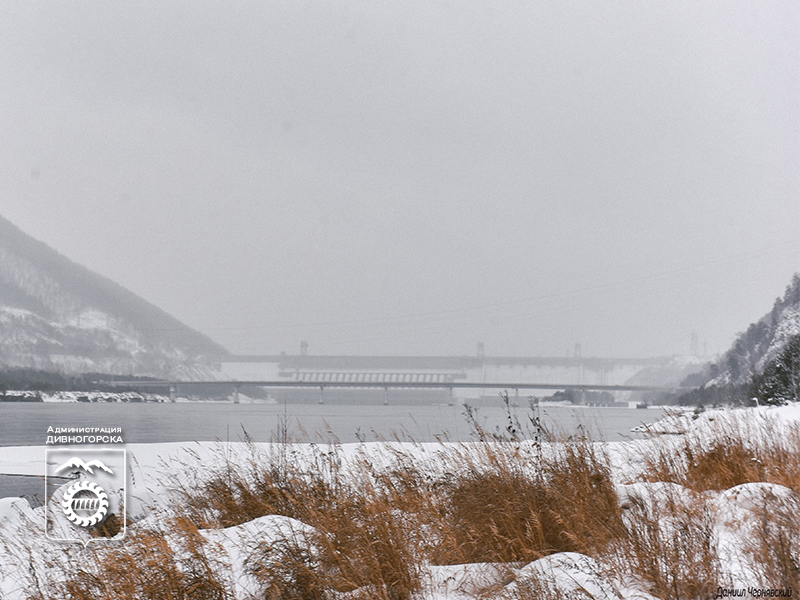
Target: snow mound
15 512
237 544
654 497
464 582
566 574
746 515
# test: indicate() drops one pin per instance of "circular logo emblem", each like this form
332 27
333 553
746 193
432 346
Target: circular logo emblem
85 503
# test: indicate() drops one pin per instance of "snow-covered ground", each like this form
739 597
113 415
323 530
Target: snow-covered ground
733 514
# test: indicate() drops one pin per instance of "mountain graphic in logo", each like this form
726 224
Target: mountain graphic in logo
77 462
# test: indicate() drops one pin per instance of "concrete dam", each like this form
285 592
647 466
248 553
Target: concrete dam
418 375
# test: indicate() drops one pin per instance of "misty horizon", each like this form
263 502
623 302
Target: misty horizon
419 178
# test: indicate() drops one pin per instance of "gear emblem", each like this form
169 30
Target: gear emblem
85 503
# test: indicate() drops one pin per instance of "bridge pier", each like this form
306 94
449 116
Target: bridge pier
236 394
172 393
321 395
386 396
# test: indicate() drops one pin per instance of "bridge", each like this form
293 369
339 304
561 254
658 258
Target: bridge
443 384
415 379
471 376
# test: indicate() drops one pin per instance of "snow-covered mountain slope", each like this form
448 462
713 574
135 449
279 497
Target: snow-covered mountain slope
763 341
58 315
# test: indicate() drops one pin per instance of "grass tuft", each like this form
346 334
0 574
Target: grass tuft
497 507
733 453
671 546
147 566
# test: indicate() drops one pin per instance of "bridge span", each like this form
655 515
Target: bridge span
449 385
425 379
473 374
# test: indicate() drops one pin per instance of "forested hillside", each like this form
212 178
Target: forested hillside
763 364
58 315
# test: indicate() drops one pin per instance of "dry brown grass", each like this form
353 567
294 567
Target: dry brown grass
735 453
774 540
672 546
288 570
368 542
487 502
366 522
731 454
497 507
264 483
146 567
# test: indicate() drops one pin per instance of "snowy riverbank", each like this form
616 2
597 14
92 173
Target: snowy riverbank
728 517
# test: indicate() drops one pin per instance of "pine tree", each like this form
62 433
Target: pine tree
780 382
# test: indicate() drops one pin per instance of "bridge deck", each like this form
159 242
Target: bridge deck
512 385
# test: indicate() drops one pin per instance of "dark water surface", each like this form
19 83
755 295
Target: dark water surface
26 424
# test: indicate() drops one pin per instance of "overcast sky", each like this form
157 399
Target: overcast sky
413 177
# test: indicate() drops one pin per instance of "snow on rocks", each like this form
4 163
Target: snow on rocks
706 422
566 574
654 498
15 512
464 582
237 544
748 497
675 422
745 516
